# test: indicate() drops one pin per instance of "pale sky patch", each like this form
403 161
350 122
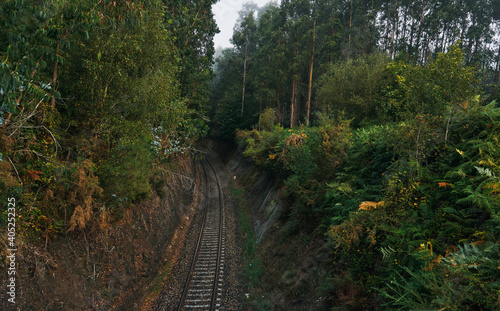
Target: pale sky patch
226 14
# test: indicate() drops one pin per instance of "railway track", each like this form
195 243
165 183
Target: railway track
203 286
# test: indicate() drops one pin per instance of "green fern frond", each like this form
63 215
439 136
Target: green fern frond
485 172
456 174
467 256
450 210
387 252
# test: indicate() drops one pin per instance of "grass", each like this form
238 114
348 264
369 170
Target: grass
252 266
158 281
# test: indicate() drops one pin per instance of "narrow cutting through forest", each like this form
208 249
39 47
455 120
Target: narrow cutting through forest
207 275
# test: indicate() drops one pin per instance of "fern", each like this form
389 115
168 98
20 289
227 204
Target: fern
485 172
387 252
467 278
468 256
476 197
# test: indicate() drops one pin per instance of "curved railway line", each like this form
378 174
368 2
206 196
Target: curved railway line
203 286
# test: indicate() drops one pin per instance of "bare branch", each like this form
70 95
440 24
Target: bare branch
21 122
53 137
15 170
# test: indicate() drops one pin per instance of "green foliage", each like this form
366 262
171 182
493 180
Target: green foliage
438 88
303 157
128 170
267 120
463 280
94 95
421 165
192 28
355 87
449 199
384 211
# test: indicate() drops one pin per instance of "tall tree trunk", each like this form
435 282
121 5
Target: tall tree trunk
476 47
425 49
394 25
294 104
311 65
405 19
471 40
349 42
443 39
497 71
54 81
332 34
463 29
412 33
278 109
244 78
419 33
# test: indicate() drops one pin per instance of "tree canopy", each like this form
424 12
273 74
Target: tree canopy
94 95
297 47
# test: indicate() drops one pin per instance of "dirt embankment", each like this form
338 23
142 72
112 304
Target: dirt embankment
112 264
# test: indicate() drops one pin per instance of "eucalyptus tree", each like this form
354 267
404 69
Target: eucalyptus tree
244 40
419 30
226 95
193 27
299 43
268 70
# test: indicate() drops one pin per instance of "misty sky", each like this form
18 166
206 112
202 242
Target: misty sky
226 14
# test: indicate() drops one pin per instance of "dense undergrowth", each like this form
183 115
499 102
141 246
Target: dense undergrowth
410 206
94 110
100 102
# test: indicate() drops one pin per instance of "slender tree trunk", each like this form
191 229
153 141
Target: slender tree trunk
309 87
278 105
471 41
54 80
448 124
419 33
278 82
476 46
412 33
425 49
332 34
463 29
405 20
293 105
349 42
443 39
497 71
366 45
394 25
244 78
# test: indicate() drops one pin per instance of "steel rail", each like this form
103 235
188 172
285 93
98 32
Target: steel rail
198 243
213 302
221 226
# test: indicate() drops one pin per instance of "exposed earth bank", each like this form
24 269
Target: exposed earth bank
115 262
